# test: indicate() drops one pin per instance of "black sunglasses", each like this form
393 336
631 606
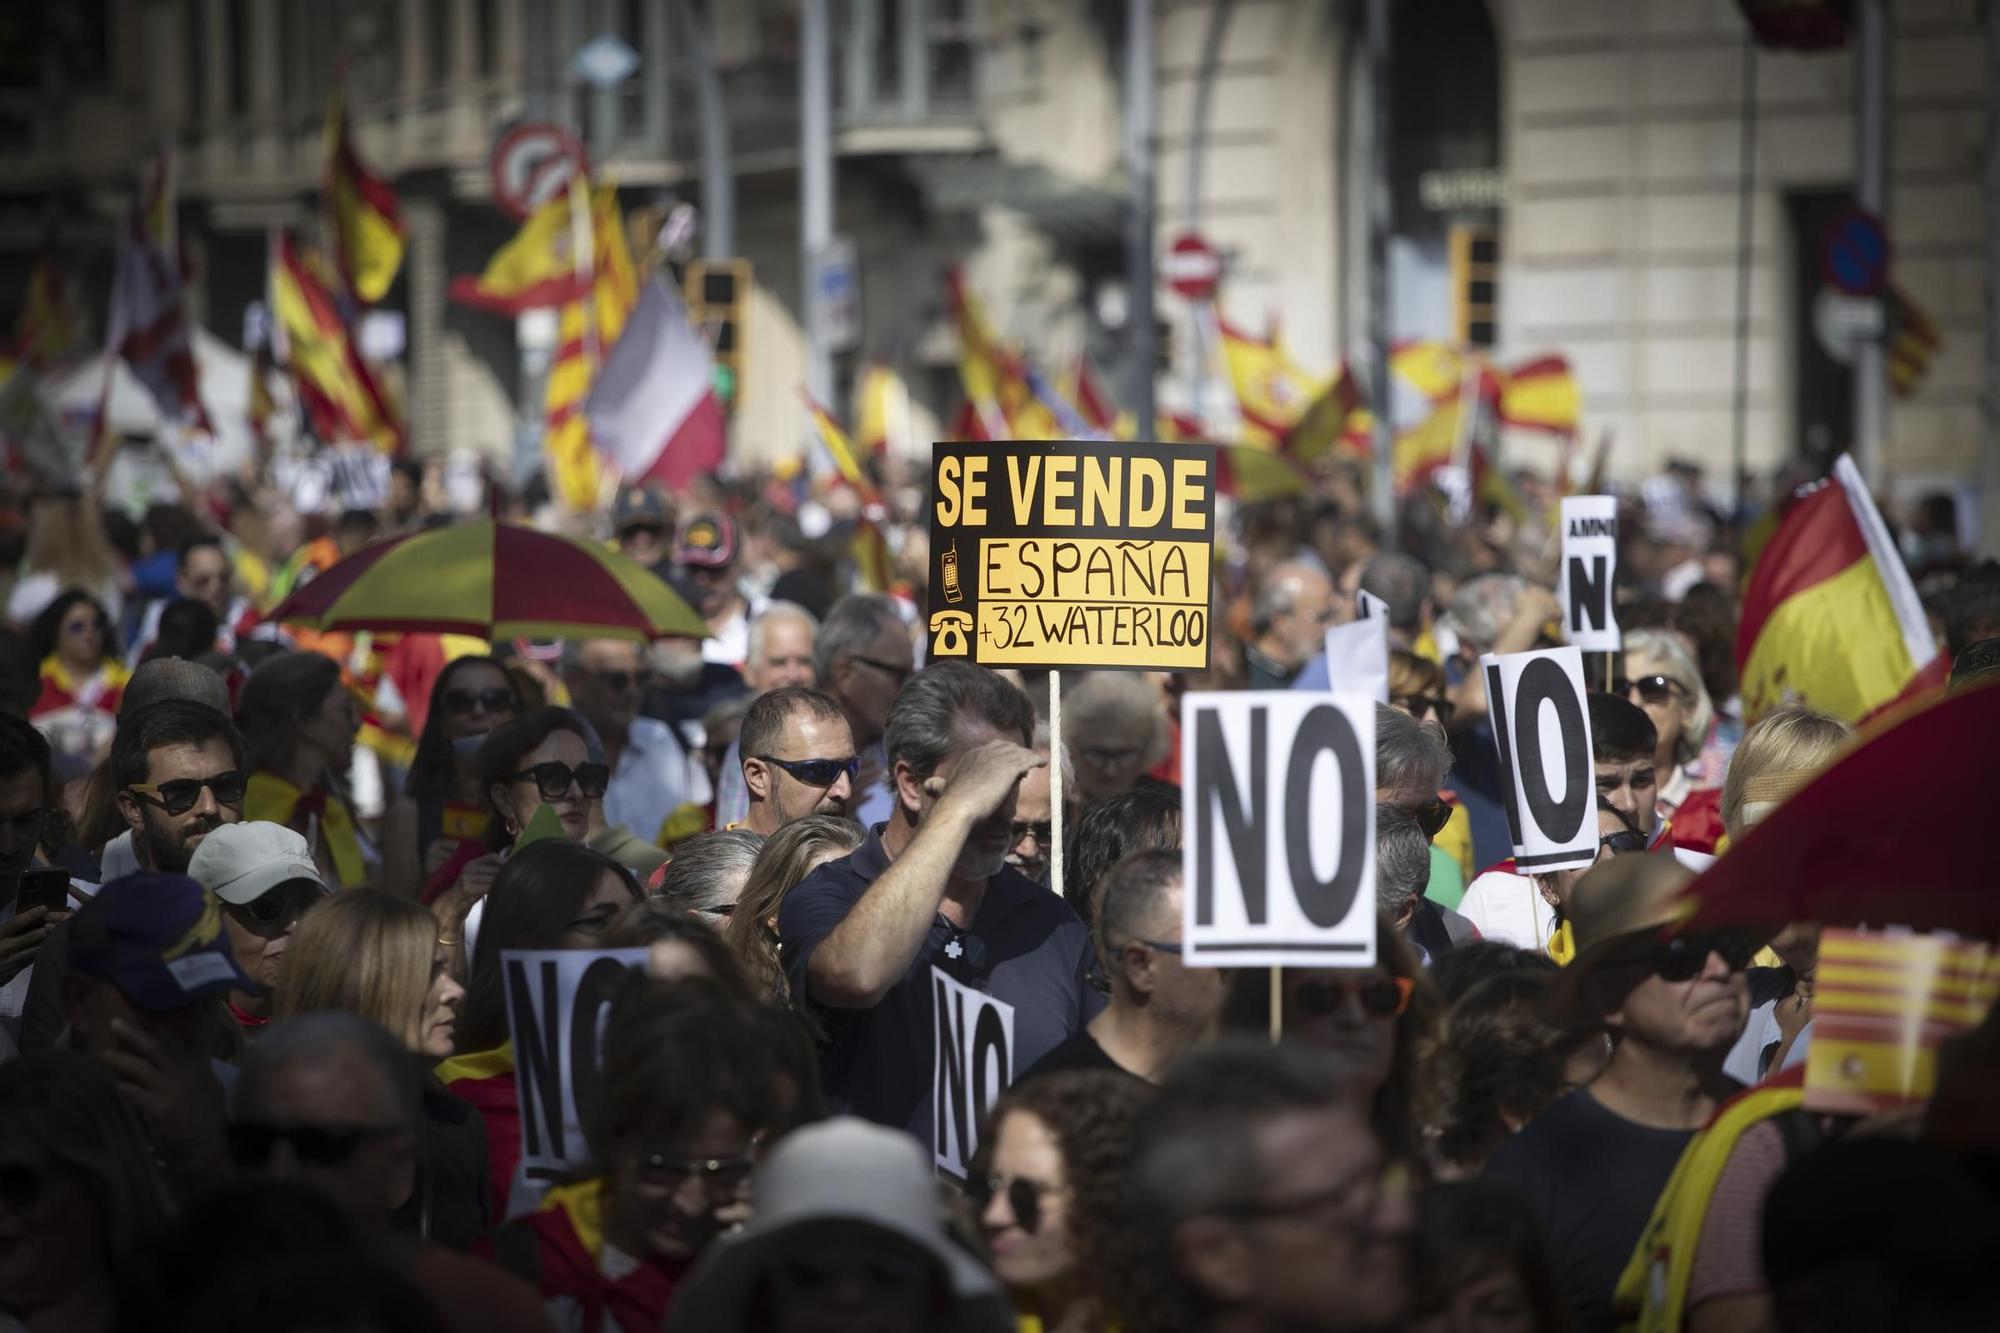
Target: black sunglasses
619 681
718 1175
178 797
553 779
901 673
1433 817
1419 704
278 906
1623 843
21 1187
1041 830
470 701
1683 957
1024 1197
316 1145
817 772
1652 689
1381 997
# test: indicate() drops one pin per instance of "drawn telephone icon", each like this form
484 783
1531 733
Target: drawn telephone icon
953 593
948 631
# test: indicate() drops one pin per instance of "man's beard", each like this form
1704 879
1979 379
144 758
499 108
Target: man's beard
169 849
980 859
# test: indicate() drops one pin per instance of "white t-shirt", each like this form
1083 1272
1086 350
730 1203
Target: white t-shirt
656 775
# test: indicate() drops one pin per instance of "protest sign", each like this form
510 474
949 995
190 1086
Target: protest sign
1367 606
1357 657
1542 728
1278 820
1589 561
1064 554
1883 1003
973 1065
555 1013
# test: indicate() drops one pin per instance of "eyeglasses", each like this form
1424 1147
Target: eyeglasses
1623 843
817 772
720 1177
1347 1206
1652 689
250 1144
1416 705
1041 830
179 796
901 673
814 1271
277 907
616 681
1024 1197
1105 756
1172 947
1683 957
21 1188
722 910
554 778
475 701
1380 997
1432 817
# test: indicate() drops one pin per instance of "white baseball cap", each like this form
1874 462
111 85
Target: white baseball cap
240 863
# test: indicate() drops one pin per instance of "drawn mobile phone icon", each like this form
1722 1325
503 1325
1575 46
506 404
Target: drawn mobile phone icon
952 591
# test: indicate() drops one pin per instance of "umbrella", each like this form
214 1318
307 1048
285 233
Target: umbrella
1897 833
493 581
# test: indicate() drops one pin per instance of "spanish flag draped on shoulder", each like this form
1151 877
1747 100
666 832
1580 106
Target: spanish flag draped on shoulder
364 218
1830 618
340 394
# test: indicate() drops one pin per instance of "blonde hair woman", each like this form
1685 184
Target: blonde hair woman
376 954
1662 678
787 857
1778 756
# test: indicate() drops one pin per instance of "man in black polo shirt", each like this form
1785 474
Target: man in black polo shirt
932 886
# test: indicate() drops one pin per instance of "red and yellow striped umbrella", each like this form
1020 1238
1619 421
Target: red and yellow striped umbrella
494 581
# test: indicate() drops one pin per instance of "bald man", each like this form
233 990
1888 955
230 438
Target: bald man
1294 607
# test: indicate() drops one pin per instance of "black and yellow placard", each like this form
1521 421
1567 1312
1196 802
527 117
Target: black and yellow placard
1072 554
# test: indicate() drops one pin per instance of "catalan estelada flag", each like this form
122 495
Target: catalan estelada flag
364 219
340 394
1913 341
1882 1005
1830 618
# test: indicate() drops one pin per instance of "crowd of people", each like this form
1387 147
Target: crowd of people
256 1063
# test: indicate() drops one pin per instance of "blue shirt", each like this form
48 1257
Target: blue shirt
1024 946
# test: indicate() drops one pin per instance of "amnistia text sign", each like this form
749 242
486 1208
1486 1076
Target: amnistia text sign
974 1063
1542 726
1278 828
1589 561
1071 554
556 1000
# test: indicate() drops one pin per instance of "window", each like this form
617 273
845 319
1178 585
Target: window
437 40
238 55
194 48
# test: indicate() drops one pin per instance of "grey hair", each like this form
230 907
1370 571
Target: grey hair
1119 694
1666 648
853 621
1408 753
708 871
1483 607
928 717
1279 594
1402 582
317 1039
776 611
1131 897
1402 859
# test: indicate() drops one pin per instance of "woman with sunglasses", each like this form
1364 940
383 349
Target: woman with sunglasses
82 678
552 894
1049 1193
686 1089
376 954
441 805
788 856
1379 1022
300 721
79 1191
1661 677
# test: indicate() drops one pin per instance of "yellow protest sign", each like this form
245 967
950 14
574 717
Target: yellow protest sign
1072 554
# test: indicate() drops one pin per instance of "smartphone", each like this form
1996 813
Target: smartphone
44 887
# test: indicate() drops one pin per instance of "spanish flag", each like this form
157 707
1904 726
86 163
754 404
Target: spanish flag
1830 618
1913 341
870 548
1000 403
1324 429
46 332
1540 394
881 410
539 267
1272 390
364 219
1882 1006
340 394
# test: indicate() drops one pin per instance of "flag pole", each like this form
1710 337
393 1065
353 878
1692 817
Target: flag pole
1055 783
1277 1005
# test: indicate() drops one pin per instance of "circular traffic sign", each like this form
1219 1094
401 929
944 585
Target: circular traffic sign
1192 267
1854 254
532 163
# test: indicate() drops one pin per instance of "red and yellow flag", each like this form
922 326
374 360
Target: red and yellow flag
541 266
341 396
999 402
588 328
881 410
870 548
1830 618
46 331
365 220
1272 390
1913 341
1882 1006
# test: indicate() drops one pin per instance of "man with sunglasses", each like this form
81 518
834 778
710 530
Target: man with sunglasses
179 772
265 878
932 886
653 770
1592 1165
1264 1199
798 759
1411 761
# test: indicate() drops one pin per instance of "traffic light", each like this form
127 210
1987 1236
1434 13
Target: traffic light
1475 285
718 294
